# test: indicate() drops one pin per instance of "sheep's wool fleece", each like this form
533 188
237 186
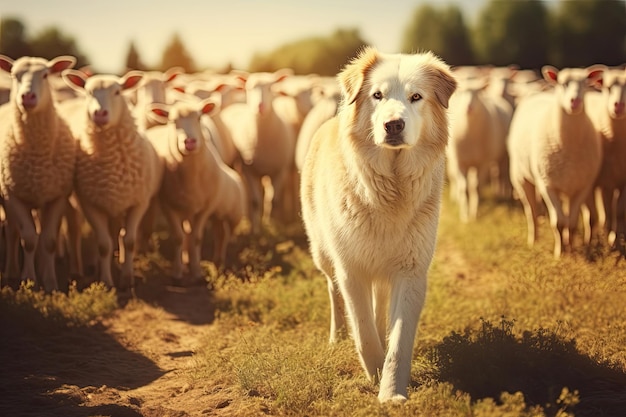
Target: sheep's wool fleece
112 167
37 157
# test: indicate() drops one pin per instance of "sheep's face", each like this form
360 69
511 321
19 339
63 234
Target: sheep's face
259 94
31 89
184 119
614 90
105 102
571 84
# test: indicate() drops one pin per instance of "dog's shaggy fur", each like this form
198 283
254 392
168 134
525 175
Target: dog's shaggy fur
371 191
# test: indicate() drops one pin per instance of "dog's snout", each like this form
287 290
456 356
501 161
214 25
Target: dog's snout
393 127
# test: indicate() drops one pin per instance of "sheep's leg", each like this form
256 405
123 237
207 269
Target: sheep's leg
591 218
620 222
74 231
279 184
461 194
558 221
11 266
255 189
575 205
99 222
608 200
198 223
18 213
133 218
222 231
528 198
175 221
472 193
51 216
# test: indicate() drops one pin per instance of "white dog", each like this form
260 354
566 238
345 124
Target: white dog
371 191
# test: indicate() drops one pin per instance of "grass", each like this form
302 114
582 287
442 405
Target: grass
506 331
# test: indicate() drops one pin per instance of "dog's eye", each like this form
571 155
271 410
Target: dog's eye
415 97
378 95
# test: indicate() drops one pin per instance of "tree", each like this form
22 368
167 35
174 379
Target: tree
317 55
176 55
51 42
133 61
589 32
13 42
442 31
513 32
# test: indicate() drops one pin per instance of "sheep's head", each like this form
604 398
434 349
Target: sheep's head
105 102
258 87
571 84
31 89
614 90
183 119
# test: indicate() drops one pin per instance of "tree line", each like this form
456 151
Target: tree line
527 33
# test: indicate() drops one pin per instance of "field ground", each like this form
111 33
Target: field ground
506 331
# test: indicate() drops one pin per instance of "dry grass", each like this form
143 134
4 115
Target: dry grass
506 330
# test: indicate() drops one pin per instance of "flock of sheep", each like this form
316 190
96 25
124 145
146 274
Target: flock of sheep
557 138
201 150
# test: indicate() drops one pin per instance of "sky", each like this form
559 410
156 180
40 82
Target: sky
214 32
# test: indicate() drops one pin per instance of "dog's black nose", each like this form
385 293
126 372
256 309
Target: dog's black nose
393 127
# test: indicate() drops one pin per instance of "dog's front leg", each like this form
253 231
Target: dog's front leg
407 299
357 294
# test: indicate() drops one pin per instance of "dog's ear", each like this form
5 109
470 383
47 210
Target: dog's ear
352 77
445 83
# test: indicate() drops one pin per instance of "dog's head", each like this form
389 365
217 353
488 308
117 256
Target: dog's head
397 98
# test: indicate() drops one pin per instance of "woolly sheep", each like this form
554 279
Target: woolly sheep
554 148
118 171
265 141
197 185
608 114
478 129
152 89
37 157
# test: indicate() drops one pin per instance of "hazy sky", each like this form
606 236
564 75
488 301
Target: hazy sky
214 32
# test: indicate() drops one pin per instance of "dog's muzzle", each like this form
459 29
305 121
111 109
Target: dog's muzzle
394 136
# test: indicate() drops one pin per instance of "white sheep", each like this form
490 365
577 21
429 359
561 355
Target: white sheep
37 159
326 95
152 89
478 128
607 111
266 142
118 171
197 184
554 148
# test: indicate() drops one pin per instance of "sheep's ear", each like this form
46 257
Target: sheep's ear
595 74
159 112
352 76
131 80
75 79
6 63
208 106
171 73
281 74
241 76
550 74
61 63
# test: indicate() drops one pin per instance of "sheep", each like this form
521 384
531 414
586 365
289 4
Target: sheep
118 171
326 95
265 141
37 154
608 114
478 129
152 89
554 148
197 184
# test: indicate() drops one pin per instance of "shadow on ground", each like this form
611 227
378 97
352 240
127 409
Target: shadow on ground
539 364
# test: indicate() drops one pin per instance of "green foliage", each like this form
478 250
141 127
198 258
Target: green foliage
176 55
513 32
442 31
51 42
318 55
13 40
588 32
